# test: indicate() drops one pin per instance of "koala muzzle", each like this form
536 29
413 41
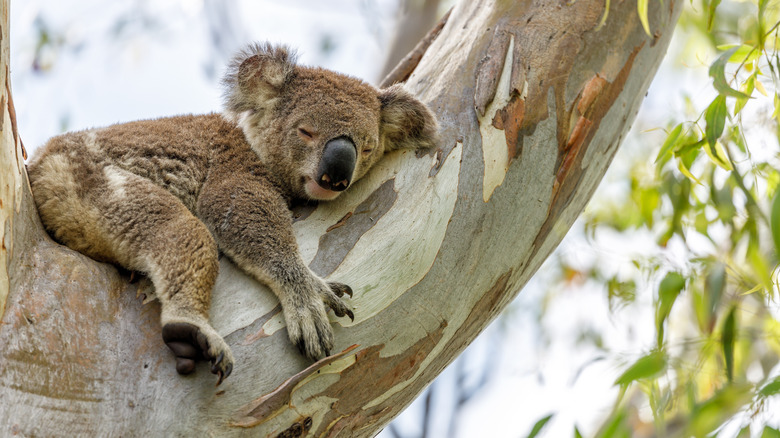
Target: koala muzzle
337 164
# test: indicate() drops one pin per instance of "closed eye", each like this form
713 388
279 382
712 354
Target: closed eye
305 134
367 151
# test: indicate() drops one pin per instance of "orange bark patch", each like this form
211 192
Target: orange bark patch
510 120
592 89
382 373
597 97
340 223
573 145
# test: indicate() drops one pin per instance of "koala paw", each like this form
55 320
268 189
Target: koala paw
307 321
191 343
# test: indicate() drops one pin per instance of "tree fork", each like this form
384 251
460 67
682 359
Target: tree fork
533 99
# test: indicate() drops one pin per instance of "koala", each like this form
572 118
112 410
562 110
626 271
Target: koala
164 197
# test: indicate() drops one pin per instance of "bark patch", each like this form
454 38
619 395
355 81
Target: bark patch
510 120
266 407
348 412
596 99
344 234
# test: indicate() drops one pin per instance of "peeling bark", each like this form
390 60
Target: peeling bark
533 102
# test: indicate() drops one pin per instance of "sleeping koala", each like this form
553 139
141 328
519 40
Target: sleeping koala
163 196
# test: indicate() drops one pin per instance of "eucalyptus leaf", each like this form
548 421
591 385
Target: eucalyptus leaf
712 413
715 116
711 13
646 367
641 6
718 74
727 341
668 291
539 426
770 432
771 388
670 143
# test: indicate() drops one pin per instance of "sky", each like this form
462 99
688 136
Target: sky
111 62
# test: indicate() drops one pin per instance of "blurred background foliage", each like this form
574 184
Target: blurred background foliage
706 199
658 315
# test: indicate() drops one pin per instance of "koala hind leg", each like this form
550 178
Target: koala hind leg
142 227
180 256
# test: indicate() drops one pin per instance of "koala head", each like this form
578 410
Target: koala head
318 131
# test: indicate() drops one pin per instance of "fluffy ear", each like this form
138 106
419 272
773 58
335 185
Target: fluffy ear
255 74
406 122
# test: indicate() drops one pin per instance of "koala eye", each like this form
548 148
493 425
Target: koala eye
305 133
367 151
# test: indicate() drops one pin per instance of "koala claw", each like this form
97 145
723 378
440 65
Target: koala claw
340 289
301 344
190 344
334 302
222 374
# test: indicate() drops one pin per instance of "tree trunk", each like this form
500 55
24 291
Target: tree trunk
533 100
413 20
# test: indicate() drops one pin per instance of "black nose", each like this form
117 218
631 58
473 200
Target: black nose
337 164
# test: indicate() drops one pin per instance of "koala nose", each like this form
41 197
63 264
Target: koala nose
337 164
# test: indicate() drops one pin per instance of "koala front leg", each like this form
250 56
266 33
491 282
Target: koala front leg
253 226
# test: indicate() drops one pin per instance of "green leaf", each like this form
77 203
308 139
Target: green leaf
711 13
670 143
604 17
761 10
714 285
747 87
727 340
718 155
757 262
710 414
775 222
539 426
770 388
684 169
577 433
715 116
689 148
615 426
641 6
770 432
723 201
645 368
668 291
744 53
718 74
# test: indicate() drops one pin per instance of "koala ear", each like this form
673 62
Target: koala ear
255 74
406 122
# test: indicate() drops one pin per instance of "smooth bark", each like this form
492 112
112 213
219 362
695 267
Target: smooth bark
533 99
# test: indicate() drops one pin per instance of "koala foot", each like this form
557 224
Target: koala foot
307 322
189 343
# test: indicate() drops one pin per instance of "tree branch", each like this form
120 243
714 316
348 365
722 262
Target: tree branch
533 102
406 66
